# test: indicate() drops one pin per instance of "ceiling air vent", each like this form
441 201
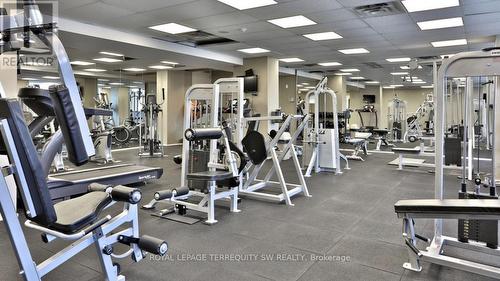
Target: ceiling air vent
196 38
373 65
380 9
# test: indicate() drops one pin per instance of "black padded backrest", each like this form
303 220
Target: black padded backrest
68 123
254 144
10 109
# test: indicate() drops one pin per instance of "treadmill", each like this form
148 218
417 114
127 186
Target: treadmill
68 184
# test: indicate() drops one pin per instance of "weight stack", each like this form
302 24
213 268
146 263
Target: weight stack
485 231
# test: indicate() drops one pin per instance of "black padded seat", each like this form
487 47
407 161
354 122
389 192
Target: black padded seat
470 207
413 150
210 176
75 214
380 131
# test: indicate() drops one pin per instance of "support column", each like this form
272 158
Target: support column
267 97
338 84
382 117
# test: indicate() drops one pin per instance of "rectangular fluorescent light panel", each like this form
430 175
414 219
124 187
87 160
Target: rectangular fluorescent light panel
134 69
95 70
107 60
323 36
424 5
419 82
169 62
354 51
405 67
398 85
290 22
427 87
357 78
443 23
116 83
447 43
111 54
172 28
399 73
349 70
246 4
254 50
342 73
398 59
388 87
372 82
160 67
78 62
332 63
51 77
291 60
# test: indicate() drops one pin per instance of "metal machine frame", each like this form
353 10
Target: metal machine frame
480 63
315 132
397 114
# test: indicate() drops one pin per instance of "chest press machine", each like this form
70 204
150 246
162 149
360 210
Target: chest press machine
203 174
477 250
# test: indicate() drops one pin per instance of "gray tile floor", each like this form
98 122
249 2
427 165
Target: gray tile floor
349 215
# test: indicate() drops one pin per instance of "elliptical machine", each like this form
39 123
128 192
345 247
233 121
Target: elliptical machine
150 140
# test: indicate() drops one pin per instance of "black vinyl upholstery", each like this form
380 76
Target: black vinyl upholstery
68 122
449 206
210 176
75 214
254 144
413 150
31 166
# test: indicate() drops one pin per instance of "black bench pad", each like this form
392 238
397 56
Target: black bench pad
483 207
75 214
414 150
210 176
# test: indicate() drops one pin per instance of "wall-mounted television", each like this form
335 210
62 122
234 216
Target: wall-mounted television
369 99
251 84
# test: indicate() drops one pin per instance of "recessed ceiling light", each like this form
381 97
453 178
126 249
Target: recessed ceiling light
399 73
290 22
78 62
29 79
349 70
116 83
160 67
254 50
51 77
354 51
107 60
388 87
424 5
427 87
305 84
331 63
447 43
111 54
397 85
443 23
398 59
300 85
172 28
137 82
104 80
95 70
310 87
291 60
342 73
323 36
134 69
406 67
169 62
419 82
243 5
357 78
372 82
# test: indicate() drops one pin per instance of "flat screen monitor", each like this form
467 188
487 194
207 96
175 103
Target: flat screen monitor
369 99
251 84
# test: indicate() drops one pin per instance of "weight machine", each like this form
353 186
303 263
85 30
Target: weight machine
397 119
321 143
151 137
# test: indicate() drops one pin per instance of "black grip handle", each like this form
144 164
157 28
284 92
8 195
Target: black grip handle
163 93
98 187
153 245
126 194
491 49
203 134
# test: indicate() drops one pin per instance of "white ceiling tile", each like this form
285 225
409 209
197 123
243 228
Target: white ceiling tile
219 20
292 8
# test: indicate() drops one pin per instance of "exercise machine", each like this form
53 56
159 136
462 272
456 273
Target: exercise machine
397 119
476 245
321 142
414 130
83 220
150 139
